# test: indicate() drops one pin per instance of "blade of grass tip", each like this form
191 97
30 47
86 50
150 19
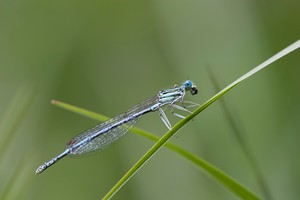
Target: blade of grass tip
80 111
14 115
266 63
181 123
236 128
216 174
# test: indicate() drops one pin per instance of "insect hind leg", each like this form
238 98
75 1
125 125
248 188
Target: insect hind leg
164 118
185 105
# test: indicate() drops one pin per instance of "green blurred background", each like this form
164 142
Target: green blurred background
106 56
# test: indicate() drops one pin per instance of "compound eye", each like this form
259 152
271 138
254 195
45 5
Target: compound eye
188 84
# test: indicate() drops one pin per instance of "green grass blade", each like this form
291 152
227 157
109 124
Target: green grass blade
212 171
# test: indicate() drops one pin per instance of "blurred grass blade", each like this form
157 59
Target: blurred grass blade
9 124
14 115
238 133
19 180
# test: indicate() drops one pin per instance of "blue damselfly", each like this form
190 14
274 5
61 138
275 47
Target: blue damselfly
104 134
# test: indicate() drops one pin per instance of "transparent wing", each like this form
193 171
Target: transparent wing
112 135
103 140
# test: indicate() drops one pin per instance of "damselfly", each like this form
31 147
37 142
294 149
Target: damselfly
104 134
